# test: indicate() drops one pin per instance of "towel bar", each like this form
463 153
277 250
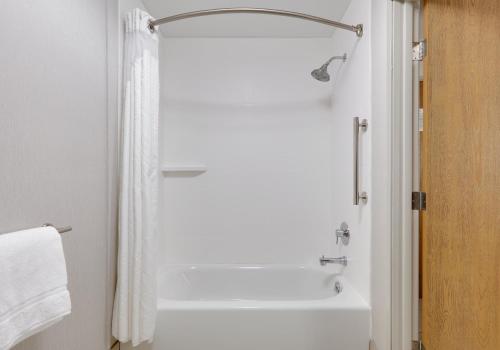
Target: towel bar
59 229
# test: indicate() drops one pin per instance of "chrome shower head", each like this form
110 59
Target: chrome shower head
321 74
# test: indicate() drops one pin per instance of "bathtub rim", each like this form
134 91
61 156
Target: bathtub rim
349 298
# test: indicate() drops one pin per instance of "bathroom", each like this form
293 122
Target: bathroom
244 174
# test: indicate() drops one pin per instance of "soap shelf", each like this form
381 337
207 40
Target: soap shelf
177 168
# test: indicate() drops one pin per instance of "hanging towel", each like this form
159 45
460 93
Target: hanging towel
33 283
134 313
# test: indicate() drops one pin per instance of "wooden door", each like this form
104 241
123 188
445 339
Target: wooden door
461 175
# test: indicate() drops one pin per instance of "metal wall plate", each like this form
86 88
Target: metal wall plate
343 233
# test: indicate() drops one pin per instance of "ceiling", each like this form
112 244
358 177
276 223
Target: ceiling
247 25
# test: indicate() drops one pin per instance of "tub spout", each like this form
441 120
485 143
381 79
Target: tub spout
324 260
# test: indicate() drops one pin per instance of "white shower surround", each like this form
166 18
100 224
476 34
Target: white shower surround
352 97
248 110
279 180
277 145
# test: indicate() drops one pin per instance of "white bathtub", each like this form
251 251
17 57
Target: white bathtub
226 307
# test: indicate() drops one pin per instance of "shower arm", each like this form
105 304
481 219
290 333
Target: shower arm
343 58
358 29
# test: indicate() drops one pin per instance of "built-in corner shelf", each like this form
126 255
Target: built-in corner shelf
183 168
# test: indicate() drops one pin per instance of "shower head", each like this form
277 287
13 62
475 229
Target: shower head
321 74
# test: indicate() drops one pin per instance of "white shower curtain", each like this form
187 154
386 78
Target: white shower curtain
134 311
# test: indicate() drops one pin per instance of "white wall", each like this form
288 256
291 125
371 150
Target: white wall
250 111
53 127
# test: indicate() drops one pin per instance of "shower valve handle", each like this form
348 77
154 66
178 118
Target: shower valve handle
343 233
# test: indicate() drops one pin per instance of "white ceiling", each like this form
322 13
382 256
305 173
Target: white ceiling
246 25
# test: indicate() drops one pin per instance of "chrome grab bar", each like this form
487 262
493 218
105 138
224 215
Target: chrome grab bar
357 126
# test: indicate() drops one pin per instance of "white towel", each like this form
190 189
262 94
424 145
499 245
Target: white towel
33 284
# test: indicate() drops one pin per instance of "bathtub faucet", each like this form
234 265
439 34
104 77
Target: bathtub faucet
324 260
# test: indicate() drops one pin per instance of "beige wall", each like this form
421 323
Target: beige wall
54 150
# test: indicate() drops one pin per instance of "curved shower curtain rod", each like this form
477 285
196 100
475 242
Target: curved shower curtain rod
358 29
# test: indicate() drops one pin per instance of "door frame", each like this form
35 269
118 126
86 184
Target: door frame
404 221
